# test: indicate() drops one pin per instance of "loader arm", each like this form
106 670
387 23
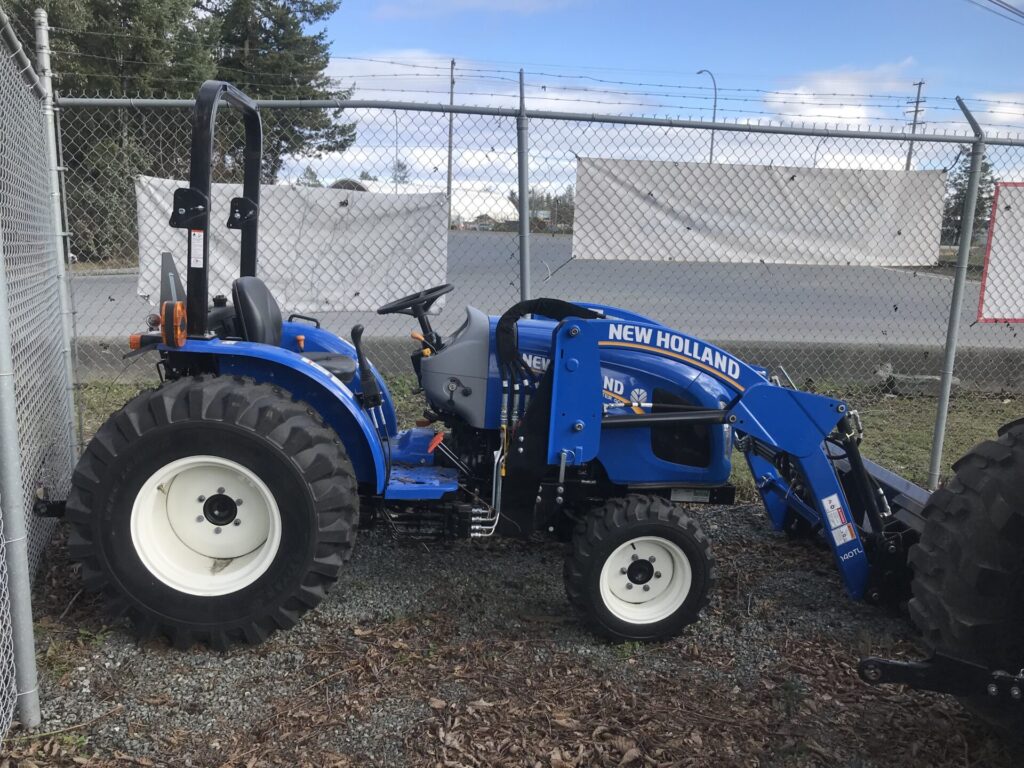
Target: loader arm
789 439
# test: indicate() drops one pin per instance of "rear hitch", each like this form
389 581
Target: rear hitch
48 508
944 674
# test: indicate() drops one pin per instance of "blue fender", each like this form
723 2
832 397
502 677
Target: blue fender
305 380
320 340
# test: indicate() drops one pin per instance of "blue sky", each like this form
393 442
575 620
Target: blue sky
799 48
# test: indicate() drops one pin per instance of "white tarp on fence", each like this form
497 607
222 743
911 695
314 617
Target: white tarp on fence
1002 285
642 210
319 249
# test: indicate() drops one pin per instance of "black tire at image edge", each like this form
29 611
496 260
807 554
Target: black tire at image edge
968 585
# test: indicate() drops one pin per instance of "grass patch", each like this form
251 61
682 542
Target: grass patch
99 399
898 430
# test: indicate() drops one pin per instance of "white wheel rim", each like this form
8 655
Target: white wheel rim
646 580
185 533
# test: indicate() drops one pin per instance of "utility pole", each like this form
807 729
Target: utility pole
451 134
913 125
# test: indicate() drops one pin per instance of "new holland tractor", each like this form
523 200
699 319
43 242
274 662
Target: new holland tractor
221 505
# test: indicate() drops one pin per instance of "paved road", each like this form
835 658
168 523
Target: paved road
738 302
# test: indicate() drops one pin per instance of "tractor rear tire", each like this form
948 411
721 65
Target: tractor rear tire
213 510
968 583
638 569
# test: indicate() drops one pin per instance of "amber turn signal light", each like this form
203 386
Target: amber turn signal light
173 326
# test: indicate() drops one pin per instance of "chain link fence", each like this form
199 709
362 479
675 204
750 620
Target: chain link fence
394 154
808 250
876 313
36 420
826 255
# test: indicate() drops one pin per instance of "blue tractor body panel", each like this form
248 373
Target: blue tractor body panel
623 363
307 381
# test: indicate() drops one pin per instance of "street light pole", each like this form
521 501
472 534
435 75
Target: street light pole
714 111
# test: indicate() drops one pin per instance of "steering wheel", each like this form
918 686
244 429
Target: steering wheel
416 304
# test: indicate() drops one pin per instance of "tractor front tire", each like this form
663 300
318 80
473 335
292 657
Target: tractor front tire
214 510
639 568
968 580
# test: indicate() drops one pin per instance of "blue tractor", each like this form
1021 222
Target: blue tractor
221 505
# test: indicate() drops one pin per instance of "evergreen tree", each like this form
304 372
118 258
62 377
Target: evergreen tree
147 48
956 194
309 178
266 50
166 48
400 172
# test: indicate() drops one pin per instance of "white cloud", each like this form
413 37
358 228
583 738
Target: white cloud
395 9
811 99
997 110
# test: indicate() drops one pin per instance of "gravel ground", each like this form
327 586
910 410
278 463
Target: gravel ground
467 654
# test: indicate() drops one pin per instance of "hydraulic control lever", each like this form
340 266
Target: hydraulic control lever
371 397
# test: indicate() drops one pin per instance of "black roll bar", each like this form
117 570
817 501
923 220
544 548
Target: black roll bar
192 204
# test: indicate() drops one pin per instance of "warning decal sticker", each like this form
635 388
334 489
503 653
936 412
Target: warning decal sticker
834 511
196 238
843 534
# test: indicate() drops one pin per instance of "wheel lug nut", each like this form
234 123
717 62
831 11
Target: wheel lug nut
236 522
629 585
647 587
199 518
217 529
635 557
201 499
238 502
651 558
220 490
657 574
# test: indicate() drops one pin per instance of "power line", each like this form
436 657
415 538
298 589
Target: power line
990 9
1008 7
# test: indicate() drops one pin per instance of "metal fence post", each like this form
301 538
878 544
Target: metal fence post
523 154
957 301
12 507
12 497
60 235
451 138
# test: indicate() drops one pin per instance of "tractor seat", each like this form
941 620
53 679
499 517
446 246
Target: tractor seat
259 321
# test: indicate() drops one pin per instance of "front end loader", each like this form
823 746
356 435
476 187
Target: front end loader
221 505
